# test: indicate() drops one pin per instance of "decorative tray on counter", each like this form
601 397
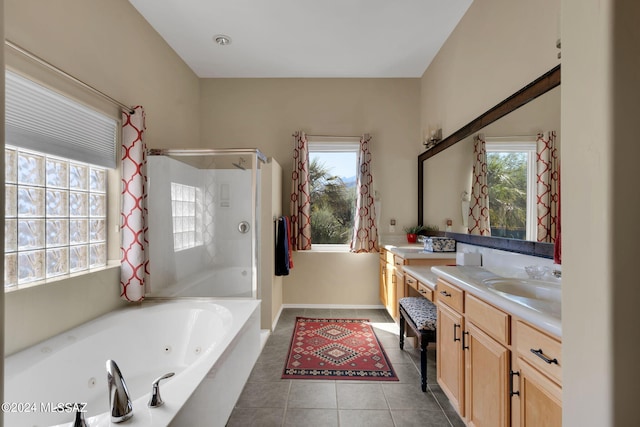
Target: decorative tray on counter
439 244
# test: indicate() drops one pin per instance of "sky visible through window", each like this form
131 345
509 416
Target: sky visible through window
341 164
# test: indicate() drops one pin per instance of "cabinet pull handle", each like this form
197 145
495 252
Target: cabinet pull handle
422 291
455 326
513 374
465 346
445 293
541 355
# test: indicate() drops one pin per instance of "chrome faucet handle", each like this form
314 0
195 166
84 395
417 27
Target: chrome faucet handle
79 421
119 399
156 400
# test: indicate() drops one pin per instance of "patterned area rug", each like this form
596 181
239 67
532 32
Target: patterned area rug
336 349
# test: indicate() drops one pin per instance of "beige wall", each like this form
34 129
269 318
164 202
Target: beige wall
2 311
270 207
264 113
107 44
601 63
497 48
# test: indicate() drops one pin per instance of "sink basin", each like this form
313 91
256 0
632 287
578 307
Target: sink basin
525 288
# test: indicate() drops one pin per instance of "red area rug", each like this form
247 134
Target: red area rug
336 349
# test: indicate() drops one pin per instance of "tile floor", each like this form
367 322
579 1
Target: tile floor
267 400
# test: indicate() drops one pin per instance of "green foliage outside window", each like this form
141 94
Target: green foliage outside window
507 177
332 206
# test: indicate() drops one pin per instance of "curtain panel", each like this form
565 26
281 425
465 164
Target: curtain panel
300 195
547 179
479 223
134 248
365 232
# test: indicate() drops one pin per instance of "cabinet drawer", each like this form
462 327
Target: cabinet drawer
411 281
449 295
539 349
398 260
491 320
425 291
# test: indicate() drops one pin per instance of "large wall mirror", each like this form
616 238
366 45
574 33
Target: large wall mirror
445 171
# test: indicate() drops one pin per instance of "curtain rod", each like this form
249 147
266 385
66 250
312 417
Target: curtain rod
67 75
334 136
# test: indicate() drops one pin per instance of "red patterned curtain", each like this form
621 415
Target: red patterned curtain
548 176
479 205
135 261
300 194
365 232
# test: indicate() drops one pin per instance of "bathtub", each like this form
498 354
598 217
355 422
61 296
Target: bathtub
210 344
225 282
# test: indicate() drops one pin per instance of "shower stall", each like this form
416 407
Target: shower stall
204 222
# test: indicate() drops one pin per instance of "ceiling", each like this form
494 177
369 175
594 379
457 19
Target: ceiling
305 38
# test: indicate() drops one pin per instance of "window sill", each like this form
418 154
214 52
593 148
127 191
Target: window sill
329 248
110 265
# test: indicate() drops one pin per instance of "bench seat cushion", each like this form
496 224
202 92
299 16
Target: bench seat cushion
423 313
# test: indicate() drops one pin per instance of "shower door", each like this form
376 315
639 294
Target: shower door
203 223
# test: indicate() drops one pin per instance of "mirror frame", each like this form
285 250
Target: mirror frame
540 86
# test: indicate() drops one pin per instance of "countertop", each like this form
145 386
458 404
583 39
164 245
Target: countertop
416 251
543 314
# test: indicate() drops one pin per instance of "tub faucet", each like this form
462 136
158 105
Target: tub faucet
119 399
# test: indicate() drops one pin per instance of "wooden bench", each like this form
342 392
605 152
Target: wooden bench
420 315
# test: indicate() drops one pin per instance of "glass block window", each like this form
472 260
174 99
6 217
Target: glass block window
186 210
55 217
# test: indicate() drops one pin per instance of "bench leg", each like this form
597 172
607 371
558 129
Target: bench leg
423 360
401 331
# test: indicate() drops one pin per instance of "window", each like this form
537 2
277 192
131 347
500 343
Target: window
58 156
511 174
332 174
55 216
187 219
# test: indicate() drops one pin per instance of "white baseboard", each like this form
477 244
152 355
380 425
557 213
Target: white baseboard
329 306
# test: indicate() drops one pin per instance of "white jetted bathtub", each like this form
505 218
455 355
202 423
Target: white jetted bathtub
211 345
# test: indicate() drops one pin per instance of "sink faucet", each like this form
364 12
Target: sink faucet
119 399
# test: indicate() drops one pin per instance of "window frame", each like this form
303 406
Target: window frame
90 106
521 144
334 145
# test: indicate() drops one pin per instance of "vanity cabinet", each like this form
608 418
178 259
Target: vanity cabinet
474 356
488 358
538 366
392 277
496 369
413 286
388 290
450 356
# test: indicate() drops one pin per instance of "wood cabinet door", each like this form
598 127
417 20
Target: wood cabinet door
383 282
392 296
540 399
487 376
450 358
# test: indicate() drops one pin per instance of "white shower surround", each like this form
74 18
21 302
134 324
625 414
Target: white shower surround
227 201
